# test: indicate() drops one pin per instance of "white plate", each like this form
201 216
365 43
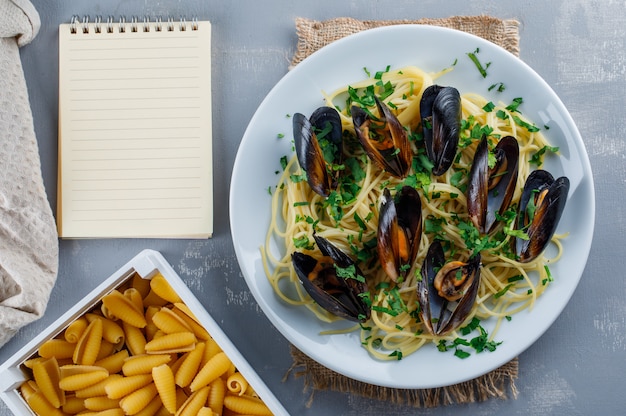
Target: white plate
341 63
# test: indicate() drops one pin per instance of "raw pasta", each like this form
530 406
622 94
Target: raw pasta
140 351
166 386
88 346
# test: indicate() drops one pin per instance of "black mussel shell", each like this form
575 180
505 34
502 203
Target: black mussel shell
324 126
440 112
490 190
384 139
340 295
399 231
438 314
540 208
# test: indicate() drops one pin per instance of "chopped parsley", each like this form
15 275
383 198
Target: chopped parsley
515 104
482 69
488 108
348 272
478 343
537 158
528 126
499 86
303 243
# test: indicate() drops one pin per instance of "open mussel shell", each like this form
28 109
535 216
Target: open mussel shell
384 139
440 112
490 190
540 208
399 231
459 281
341 294
315 137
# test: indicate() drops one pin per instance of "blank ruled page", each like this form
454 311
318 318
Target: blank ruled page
135 131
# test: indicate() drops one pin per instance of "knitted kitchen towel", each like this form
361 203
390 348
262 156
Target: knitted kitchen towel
28 238
499 383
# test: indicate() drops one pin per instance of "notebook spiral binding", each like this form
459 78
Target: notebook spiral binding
98 25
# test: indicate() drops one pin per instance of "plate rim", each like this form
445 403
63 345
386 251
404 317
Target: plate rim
338 45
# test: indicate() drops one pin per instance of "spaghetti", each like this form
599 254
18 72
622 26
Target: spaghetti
349 217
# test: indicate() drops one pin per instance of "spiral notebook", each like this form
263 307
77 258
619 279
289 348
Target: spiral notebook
135 129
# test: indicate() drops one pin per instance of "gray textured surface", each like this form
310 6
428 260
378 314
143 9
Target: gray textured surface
579 47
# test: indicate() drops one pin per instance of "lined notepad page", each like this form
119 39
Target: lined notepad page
135 131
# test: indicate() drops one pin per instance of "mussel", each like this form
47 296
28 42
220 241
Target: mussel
383 138
446 291
490 189
334 281
540 208
440 113
318 142
399 231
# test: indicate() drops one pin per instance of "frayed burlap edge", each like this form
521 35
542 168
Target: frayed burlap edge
499 383
313 34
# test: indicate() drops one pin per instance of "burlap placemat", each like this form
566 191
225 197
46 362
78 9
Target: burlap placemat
500 383
313 34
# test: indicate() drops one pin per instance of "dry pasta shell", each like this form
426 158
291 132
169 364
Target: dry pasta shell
27 388
47 375
61 361
135 297
211 349
123 386
205 411
152 299
82 380
154 408
41 405
214 368
58 348
75 330
139 399
190 320
73 405
143 364
150 328
190 365
106 350
163 289
88 346
246 405
216 395
98 389
124 309
164 381
108 412
194 403
181 396
73 369
185 309
135 339
100 403
237 384
113 363
176 362
141 284
168 322
172 343
30 362
231 370
111 331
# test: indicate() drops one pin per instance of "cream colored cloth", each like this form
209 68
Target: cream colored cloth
28 240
